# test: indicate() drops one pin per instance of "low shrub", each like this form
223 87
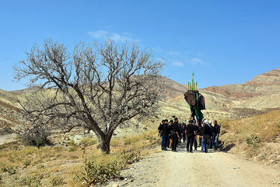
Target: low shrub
31 180
26 163
37 136
101 170
254 140
56 181
10 169
132 157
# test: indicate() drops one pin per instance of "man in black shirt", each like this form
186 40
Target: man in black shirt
207 133
216 134
190 132
174 134
163 128
184 133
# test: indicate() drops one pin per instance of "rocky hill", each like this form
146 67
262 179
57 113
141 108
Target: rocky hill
260 93
256 96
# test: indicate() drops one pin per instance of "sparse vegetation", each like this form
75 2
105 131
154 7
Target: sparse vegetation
37 136
5 130
56 165
56 181
252 136
87 141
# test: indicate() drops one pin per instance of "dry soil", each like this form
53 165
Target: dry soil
181 169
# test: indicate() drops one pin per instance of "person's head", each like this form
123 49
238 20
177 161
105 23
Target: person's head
215 122
166 121
170 122
163 121
176 120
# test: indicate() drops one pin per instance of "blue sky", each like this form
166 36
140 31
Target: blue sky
223 42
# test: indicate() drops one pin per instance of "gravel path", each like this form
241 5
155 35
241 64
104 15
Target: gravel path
181 169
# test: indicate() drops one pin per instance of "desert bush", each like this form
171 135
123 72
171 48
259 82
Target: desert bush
72 148
26 162
10 169
37 136
56 181
101 170
132 157
254 140
31 180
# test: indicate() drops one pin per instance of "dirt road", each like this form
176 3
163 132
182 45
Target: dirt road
198 169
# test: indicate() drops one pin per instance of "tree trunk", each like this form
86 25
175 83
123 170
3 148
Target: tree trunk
105 144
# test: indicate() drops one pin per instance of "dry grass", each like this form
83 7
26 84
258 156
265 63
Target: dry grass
68 165
252 136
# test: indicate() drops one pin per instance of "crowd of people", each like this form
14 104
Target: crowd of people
173 133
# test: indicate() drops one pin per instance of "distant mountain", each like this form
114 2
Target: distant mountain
262 92
266 83
256 96
27 90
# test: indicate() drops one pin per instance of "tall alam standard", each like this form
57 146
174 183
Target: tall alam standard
195 101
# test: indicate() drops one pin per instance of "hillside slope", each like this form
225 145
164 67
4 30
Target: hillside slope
254 97
262 92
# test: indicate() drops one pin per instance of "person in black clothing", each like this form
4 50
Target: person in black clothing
169 141
216 134
190 132
163 128
211 138
174 134
181 130
196 129
159 131
200 134
184 133
207 133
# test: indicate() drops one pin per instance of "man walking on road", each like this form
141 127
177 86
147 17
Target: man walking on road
163 128
201 136
190 132
216 133
174 134
207 133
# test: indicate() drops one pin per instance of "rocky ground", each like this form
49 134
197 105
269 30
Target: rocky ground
197 169
7 138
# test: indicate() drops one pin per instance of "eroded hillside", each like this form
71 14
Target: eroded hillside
257 96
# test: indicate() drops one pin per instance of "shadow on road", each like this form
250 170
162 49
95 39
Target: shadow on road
181 148
227 148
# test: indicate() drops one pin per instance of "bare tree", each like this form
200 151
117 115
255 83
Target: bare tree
98 86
